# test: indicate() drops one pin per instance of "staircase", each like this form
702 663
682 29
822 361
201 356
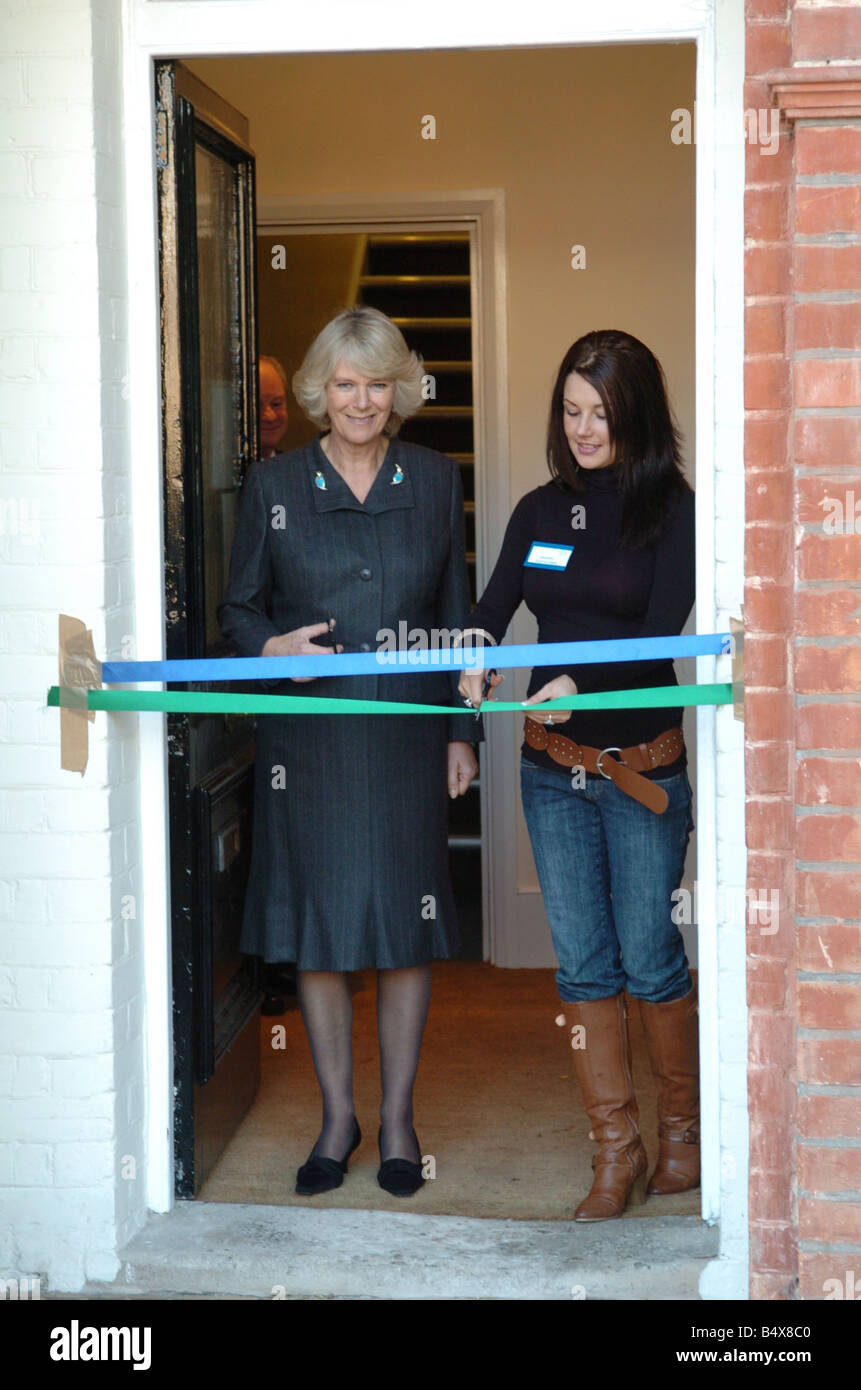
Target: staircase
422 281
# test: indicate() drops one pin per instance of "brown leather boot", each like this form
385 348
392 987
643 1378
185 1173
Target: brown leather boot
603 1068
672 1039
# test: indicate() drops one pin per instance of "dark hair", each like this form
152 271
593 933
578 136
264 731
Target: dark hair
630 381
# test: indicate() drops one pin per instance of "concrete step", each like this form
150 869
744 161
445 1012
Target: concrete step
239 1251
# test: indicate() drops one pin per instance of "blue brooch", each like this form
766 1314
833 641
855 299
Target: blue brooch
398 475
320 481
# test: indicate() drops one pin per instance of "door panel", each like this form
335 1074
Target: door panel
220 346
209 401
225 994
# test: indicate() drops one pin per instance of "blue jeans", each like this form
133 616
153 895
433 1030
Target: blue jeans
607 868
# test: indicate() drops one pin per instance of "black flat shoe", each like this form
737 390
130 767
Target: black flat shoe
321 1174
400 1177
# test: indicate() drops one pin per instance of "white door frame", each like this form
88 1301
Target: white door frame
188 28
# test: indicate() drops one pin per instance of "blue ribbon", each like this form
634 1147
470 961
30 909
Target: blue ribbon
383 663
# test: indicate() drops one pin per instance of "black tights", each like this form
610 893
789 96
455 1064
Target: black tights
403 997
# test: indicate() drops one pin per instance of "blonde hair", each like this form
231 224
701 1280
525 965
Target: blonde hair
371 343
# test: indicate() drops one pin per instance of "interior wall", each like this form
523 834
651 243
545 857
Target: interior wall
296 300
580 141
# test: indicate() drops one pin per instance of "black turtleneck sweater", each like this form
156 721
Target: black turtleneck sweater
605 591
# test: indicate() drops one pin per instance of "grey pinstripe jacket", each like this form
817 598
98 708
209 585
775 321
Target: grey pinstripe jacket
303 554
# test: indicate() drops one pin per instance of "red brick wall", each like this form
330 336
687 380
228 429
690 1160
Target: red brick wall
803 657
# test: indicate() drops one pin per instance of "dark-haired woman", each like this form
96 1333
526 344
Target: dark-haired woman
606 550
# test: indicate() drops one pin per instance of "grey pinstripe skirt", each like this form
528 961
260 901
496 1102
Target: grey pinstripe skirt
349 864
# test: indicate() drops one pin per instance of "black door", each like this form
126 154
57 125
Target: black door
209 405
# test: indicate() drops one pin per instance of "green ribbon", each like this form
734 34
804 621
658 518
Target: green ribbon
226 702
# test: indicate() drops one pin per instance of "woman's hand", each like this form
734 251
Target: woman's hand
462 767
470 685
298 643
553 690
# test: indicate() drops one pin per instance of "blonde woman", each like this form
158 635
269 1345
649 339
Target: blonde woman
351 536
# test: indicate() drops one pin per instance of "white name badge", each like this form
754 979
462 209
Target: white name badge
548 557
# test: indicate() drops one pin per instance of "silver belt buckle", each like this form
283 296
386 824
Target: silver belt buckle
600 756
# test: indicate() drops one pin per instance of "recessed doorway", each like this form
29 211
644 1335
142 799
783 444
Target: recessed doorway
540 332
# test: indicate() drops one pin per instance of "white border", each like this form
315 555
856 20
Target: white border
209 27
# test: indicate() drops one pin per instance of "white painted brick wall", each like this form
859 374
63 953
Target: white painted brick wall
71 1051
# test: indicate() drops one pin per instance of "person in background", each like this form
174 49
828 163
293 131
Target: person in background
273 405
605 550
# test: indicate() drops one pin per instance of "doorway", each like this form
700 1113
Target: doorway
718 35
521 934
516 132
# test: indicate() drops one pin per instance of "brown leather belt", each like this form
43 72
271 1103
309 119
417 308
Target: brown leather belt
642 757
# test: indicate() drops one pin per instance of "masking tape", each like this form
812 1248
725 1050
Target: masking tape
79 672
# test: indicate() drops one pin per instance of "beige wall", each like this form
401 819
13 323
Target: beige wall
296 301
579 139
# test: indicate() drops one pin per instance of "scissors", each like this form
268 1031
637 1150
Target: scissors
485 689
